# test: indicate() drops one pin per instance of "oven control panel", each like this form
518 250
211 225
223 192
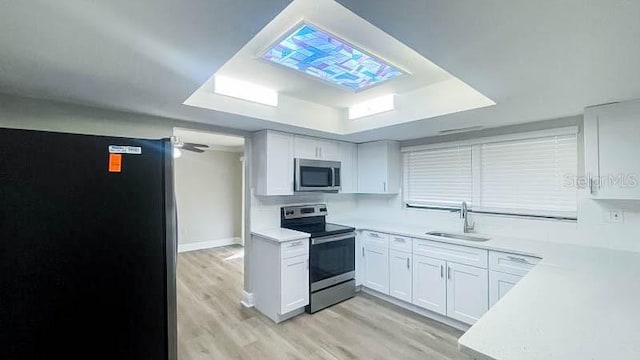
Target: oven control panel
300 211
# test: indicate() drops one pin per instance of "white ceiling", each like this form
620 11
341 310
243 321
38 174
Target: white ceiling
536 60
425 91
337 20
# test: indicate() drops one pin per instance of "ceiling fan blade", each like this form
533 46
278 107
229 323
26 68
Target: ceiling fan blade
188 147
196 145
193 149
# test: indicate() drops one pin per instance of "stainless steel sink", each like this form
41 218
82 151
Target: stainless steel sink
458 236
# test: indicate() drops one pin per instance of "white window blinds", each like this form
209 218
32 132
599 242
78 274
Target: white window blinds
529 175
438 176
520 174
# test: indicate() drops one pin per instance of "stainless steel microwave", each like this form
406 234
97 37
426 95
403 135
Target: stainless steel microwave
316 176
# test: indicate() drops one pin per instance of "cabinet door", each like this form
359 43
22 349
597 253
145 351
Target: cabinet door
400 275
376 267
429 284
328 150
467 292
618 142
279 164
348 157
500 284
306 147
294 277
372 168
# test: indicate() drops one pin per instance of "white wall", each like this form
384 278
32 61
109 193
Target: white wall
265 210
209 198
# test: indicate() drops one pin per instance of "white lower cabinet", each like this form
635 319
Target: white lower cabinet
429 284
376 268
456 281
467 290
400 275
505 270
280 277
500 284
294 292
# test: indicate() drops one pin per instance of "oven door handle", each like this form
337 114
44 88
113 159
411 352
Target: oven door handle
326 239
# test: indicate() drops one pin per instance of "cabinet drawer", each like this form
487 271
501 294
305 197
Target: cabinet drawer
400 243
294 248
375 238
456 253
511 263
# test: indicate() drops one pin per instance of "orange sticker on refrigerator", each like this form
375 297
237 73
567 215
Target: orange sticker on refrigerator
115 163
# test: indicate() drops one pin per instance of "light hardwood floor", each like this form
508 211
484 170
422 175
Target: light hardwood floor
213 325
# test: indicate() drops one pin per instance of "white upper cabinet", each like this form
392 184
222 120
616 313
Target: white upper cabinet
348 157
314 148
379 167
306 147
328 150
273 163
612 150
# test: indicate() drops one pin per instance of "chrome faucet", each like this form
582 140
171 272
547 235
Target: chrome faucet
464 215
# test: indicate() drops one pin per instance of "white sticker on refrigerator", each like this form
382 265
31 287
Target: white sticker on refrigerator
118 149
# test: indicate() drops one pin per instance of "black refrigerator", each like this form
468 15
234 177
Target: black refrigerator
87 247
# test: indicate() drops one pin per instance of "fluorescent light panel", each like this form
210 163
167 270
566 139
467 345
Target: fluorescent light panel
245 90
323 55
372 107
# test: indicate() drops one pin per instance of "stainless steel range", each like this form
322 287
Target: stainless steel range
331 254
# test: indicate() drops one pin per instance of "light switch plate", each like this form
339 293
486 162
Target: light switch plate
614 216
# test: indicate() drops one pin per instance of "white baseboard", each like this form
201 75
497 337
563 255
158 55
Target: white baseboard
247 299
200 245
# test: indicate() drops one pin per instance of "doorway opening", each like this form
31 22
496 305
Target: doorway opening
210 189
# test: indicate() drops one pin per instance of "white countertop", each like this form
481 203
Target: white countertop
280 234
578 303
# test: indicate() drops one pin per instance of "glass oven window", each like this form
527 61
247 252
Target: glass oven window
332 259
315 176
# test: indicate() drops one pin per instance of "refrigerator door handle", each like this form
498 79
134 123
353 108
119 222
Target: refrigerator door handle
171 251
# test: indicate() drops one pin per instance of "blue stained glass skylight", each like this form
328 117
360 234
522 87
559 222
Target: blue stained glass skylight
320 54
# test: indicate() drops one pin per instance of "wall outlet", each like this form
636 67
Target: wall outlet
614 216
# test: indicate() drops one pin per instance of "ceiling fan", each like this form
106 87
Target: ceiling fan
179 145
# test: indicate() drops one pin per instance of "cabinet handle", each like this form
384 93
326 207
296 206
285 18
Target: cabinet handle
590 185
407 263
384 186
441 271
320 149
296 243
307 264
448 272
517 259
362 251
374 235
400 240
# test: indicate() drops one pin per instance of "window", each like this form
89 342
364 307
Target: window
521 174
320 54
438 177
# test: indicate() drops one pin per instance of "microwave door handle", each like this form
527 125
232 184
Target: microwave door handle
333 177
